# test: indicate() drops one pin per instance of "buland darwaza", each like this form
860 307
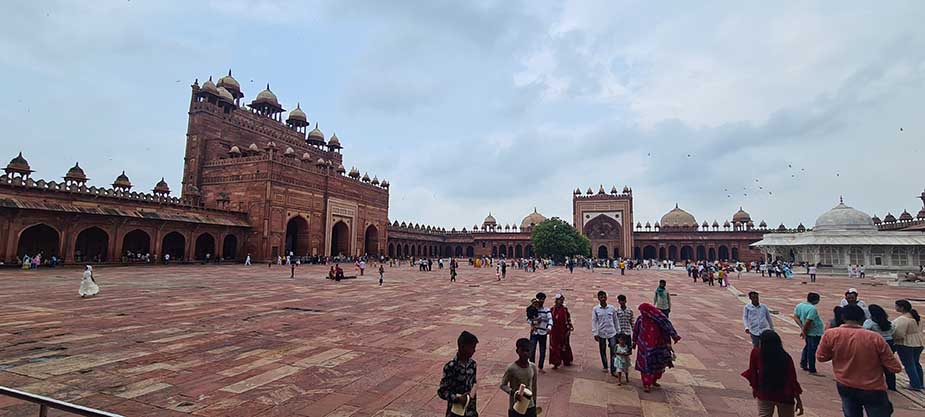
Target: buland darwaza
260 184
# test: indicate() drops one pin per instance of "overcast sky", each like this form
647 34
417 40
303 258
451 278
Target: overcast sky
468 107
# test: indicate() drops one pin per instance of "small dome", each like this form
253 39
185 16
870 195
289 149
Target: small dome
224 94
365 177
705 225
289 151
613 189
334 143
19 165
76 173
330 163
161 187
638 225
306 156
657 226
297 115
231 84
490 220
801 228
715 223
589 192
921 214
532 219
375 180
782 228
320 162
626 189
209 87
341 169
876 219
385 184
677 217
253 148
270 145
844 218
741 216
763 224
235 150
601 190
648 225
905 217
889 218
726 224
316 133
266 99
354 173
122 182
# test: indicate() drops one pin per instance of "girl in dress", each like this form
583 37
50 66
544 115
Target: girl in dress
88 285
621 359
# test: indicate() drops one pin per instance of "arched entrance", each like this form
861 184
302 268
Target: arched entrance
602 252
371 243
205 244
701 253
648 252
529 251
723 253
297 236
391 250
40 238
711 255
494 251
687 253
230 247
502 250
518 251
637 253
470 251
173 244
616 252
661 253
735 254
136 241
673 253
92 245
340 239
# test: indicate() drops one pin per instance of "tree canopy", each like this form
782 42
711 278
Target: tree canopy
557 239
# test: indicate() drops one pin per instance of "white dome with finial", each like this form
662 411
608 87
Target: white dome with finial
844 218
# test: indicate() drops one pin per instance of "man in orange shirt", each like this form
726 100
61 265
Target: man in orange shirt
858 358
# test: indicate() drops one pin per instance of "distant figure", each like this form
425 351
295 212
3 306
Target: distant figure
381 273
88 287
247 260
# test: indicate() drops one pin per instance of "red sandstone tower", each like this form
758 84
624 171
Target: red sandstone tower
606 219
292 183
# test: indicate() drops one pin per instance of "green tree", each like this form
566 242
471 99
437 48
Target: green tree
557 239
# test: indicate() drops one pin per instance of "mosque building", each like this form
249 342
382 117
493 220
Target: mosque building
261 182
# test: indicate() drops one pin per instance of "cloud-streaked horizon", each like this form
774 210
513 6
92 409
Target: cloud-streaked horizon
501 106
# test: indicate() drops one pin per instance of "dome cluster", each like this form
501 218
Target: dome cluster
679 220
227 93
75 176
600 191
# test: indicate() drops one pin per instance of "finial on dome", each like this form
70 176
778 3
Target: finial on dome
841 200
676 205
229 72
268 86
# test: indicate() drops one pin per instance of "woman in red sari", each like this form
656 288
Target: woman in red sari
653 334
560 352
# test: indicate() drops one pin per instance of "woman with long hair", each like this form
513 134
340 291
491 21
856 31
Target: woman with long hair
907 337
880 323
560 349
653 335
773 378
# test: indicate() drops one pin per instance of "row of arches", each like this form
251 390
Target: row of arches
512 251
298 238
687 252
92 244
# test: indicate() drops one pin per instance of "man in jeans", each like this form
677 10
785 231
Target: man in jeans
859 357
541 326
811 327
604 326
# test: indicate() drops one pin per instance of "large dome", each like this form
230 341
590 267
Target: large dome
678 218
844 218
531 220
490 220
741 216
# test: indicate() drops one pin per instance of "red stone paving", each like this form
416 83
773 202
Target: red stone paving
248 341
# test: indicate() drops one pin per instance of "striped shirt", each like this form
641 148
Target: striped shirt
543 322
625 316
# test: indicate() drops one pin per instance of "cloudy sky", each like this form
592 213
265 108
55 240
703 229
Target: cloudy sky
468 107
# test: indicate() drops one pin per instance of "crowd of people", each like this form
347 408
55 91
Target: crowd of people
619 334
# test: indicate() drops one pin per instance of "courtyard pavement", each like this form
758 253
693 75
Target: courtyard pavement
249 341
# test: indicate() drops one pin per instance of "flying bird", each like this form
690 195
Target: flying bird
900 129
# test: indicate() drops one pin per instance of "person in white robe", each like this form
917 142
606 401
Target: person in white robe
88 286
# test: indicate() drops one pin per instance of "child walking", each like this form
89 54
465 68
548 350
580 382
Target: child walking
621 358
381 273
519 382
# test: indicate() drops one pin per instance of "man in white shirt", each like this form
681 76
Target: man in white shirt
851 297
756 317
604 326
540 331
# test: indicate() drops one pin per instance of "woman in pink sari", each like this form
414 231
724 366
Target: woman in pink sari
653 335
560 351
